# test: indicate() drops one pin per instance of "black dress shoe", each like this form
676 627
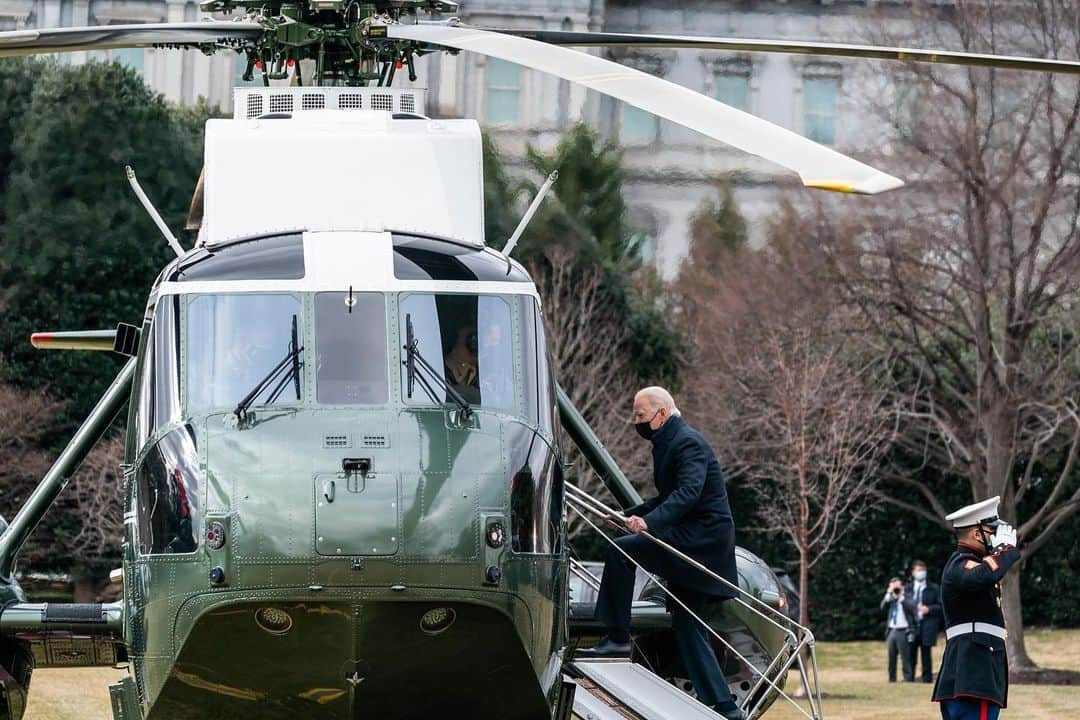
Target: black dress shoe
732 714
606 648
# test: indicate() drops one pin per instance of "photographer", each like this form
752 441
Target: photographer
900 615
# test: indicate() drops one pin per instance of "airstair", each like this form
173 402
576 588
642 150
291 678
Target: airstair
620 689
625 690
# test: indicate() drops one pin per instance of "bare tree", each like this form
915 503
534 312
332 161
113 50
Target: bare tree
788 398
83 530
971 276
25 418
97 492
809 439
588 352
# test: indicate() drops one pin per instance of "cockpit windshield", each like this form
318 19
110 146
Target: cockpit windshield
469 342
233 341
481 351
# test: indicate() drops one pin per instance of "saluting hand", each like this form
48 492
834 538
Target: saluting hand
636 524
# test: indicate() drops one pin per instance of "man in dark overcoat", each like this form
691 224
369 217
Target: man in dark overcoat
926 596
691 513
973 683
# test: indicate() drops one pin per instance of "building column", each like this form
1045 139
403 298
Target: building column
168 74
80 16
448 102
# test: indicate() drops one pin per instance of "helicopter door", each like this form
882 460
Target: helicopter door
356 513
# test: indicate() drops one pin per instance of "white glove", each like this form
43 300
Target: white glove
1005 535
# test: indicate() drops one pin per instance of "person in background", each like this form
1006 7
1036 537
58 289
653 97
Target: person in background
927 598
899 608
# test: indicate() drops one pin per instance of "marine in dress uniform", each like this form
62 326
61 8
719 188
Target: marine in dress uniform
691 513
973 683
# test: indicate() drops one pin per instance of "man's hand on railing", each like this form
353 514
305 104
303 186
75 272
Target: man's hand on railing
615 521
636 524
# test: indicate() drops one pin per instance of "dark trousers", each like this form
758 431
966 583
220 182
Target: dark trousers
693 641
925 654
968 709
897 644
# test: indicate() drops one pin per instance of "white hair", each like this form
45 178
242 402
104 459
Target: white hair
658 397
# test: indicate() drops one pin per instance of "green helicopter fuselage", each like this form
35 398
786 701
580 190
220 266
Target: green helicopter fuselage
321 551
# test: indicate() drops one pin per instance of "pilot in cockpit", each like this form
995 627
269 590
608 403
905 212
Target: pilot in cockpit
462 363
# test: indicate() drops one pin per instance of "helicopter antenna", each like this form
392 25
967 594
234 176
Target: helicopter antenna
152 212
528 216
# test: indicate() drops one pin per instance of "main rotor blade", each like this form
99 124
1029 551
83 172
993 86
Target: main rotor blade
793 47
817 166
51 40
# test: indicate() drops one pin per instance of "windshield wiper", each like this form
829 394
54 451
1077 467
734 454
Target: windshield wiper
289 365
414 360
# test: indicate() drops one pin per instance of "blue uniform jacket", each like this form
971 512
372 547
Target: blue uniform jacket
691 511
974 664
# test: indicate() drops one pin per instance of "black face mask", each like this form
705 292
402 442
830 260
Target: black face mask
644 429
986 539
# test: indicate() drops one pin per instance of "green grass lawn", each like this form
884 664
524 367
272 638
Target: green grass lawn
852 676
854 680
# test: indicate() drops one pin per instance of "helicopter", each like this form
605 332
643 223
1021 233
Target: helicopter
343 478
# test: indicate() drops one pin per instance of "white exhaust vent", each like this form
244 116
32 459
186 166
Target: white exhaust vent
251 103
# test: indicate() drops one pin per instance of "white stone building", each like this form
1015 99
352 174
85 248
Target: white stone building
670 170
180 76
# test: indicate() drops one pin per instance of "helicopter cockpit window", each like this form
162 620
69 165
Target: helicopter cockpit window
234 341
168 495
538 378
159 395
420 258
278 257
350 344
468 340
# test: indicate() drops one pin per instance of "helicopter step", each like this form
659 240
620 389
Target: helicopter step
66 634
621 689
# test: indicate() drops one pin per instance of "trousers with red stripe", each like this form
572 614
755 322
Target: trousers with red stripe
967 709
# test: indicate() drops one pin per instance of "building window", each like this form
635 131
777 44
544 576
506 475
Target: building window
820 96
503 91
129 57
733 89
638 126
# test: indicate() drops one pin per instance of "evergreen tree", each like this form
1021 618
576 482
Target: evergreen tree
78 250
586 215
500 197
716 230
17 78
589 213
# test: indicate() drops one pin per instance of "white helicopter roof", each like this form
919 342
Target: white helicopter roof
341 159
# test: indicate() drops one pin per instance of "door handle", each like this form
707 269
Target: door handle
328 490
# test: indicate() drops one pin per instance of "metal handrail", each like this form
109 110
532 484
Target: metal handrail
579 569
575 503
602 509
797 643
579 497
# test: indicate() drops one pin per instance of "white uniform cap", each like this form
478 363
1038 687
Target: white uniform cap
981 513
